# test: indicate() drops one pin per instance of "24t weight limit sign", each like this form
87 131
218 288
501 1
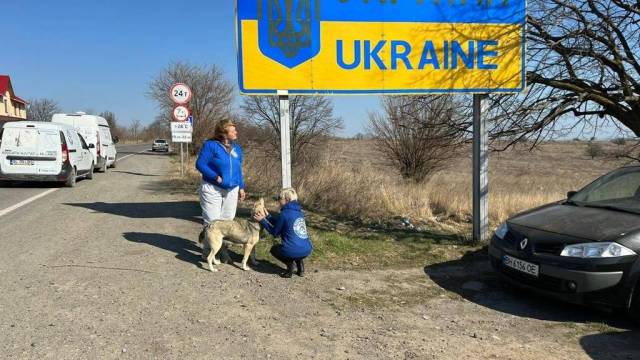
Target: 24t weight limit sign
180 94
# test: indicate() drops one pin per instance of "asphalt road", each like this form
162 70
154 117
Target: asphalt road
16 194
69 259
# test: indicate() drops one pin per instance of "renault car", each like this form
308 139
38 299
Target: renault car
583 249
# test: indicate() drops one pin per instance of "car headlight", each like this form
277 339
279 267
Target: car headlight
502 231
596 250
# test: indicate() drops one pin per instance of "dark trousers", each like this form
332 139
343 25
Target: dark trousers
276 251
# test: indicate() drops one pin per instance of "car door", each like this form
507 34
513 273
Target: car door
86 158
73 143
107 142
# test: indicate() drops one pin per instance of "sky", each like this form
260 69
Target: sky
101 55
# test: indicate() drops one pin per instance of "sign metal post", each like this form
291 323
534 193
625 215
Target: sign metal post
181 161
480 170
285 138
182 126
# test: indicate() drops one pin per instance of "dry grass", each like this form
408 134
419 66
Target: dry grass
351 187
351 181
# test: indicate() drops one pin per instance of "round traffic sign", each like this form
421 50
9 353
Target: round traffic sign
180 93
181 113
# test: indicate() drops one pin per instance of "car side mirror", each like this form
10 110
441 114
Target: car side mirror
570 194
116 140
91 146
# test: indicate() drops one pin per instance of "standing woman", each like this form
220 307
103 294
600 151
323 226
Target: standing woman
220 163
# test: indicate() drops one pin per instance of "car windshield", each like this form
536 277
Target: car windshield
618 190
161 142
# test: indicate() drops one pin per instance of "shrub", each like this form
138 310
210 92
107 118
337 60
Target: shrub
619 141
417 135
594 150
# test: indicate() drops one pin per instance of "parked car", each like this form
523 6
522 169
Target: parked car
583 249
160 145
96 131
43 151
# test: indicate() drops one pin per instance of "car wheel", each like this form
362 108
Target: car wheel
71 180
113 166
90 174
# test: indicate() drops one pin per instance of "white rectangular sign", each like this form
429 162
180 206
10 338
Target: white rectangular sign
181 127
181 137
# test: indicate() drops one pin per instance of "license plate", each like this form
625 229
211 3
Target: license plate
22 162
520 265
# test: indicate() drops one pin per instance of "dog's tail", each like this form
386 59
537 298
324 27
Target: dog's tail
203 234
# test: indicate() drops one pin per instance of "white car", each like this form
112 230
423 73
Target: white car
160 145
43 151
96 131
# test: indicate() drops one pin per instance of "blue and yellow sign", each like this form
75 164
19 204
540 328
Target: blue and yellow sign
381 46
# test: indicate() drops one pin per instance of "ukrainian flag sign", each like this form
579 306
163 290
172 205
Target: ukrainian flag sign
381 46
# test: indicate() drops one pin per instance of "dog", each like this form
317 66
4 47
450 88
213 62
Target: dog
238 231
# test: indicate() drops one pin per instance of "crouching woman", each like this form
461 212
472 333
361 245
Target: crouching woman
292 229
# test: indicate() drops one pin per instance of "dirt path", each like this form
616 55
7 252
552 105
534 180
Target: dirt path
101 275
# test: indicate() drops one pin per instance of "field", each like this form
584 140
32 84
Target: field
351 181
361 213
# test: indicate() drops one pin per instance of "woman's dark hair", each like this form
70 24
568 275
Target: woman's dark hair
221 129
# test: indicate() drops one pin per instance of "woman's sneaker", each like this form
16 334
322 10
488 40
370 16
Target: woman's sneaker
288 274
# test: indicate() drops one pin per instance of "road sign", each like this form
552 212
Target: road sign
180 94
381 47
181 137
181 126
180 113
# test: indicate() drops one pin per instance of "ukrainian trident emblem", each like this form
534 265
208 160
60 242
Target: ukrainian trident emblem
289 30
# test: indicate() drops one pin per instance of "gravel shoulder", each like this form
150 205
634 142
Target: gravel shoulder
91 274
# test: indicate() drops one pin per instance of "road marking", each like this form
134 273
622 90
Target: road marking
138 153
26 202
124 157
43 194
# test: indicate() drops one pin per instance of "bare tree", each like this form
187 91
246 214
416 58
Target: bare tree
157 130
41 109
584 72
414 133
211 101
630 151
312 120
134 129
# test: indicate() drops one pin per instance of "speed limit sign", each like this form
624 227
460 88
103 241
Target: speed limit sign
180 94
181 113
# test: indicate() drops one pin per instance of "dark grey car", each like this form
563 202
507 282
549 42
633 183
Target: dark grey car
583 249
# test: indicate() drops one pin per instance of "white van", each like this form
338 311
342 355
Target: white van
96 131
43 151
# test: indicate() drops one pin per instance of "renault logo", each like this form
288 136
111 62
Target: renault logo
523 243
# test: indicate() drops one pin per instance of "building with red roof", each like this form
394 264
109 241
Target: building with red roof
12 107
